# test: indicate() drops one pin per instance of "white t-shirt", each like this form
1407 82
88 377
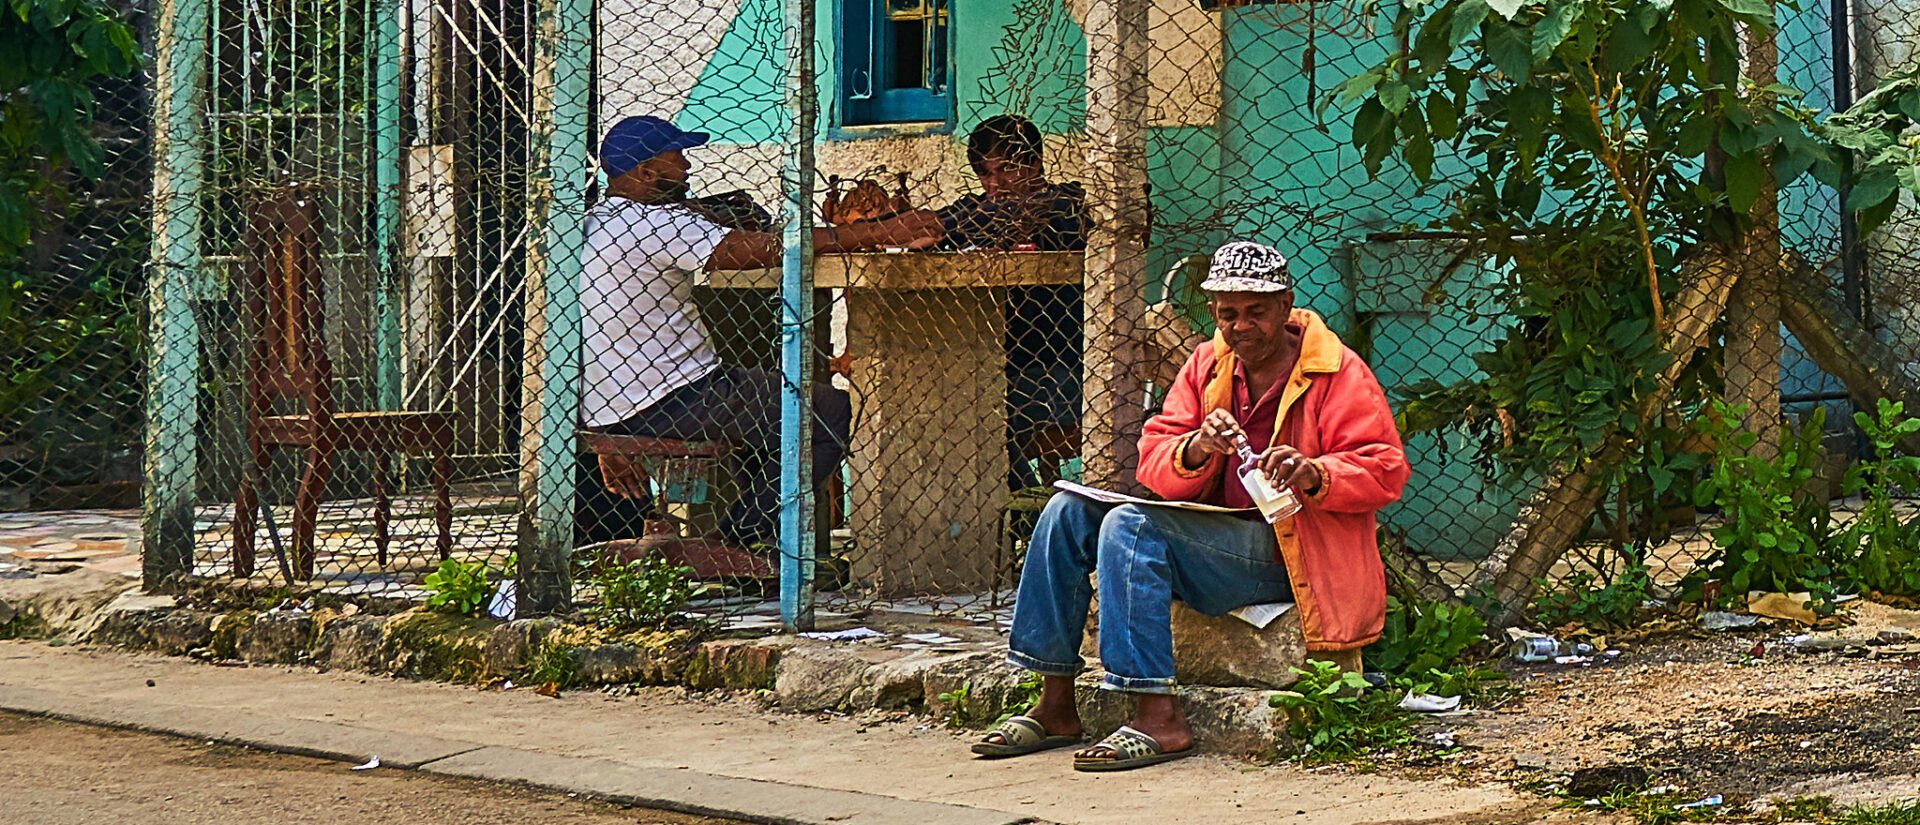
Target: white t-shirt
643 336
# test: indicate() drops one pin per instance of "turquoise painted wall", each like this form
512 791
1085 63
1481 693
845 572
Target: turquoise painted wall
1039 74
1306 192
1265 171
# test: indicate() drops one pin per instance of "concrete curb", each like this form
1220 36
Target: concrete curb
677 790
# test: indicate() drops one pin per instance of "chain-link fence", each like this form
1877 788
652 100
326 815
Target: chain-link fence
396 317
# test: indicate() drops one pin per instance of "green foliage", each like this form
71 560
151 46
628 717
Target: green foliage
555 666
1645 808
960 699
459 587
1893 813
70 344
1421 637
1021 698
643 593
1774 537
1887 551
1600 144
1582 598
1334 716
1876 127
54 48
1613 103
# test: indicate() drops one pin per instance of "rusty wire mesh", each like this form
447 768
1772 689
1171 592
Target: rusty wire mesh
366 217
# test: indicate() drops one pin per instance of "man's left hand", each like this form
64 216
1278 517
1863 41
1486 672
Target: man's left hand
1285 465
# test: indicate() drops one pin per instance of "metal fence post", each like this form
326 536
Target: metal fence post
796 325
550 395
1117 240
386 196
173 359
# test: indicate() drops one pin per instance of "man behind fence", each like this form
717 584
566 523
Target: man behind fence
650 367
1018 208
1317 421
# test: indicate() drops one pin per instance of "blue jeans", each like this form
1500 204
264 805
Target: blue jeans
1146 557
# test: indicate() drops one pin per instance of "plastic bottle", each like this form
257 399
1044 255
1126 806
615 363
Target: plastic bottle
1274 503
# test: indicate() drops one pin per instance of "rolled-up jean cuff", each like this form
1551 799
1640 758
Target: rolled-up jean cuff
1132 685
1042 667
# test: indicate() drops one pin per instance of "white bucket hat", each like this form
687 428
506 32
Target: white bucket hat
1244 266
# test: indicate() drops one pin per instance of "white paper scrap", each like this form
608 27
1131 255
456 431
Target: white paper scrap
504 604
1261 615
369 765
848 635
1429 703
931 638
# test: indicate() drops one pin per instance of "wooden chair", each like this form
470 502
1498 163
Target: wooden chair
289 360
678 459
685 459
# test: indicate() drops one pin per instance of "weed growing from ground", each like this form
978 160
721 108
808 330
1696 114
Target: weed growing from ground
555 666
1897 813
1021 698
1647 809
1335 717
1576 600
959 700
459 587
643 593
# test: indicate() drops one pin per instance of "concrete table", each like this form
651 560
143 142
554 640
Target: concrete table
929 456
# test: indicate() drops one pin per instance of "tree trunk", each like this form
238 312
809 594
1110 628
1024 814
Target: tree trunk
1552 521
1750 362
1843 348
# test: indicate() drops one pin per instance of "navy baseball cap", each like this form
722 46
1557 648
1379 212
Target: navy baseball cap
636 140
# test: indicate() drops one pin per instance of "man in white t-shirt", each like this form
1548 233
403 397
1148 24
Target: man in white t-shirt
649 366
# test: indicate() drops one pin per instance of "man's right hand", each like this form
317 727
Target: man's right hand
1215 438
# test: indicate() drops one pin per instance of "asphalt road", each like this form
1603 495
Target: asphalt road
55 773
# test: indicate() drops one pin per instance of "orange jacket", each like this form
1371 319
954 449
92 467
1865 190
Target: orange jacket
1334 411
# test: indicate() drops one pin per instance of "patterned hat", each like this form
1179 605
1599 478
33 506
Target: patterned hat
1243 266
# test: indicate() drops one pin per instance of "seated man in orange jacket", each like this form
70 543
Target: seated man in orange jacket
1317 422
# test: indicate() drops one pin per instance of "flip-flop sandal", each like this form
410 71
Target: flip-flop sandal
1132 749
1021 735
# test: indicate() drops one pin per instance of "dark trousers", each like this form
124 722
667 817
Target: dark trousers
741 407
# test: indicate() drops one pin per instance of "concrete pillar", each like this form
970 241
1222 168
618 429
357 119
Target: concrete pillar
173 360
1117 87
550 394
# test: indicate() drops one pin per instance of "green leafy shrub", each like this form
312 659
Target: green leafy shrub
1334 716
1021 698
1422 636
642 593
960 699
459 587
1580 598
554 667
1775 537
1886 550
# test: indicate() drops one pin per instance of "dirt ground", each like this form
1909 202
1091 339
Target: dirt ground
65 774
1701 711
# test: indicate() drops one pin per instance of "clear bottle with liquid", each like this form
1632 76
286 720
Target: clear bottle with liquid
1274 503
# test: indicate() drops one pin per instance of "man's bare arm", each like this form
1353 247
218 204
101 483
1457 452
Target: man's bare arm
758 250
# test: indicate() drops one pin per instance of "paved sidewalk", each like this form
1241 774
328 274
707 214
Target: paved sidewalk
655 744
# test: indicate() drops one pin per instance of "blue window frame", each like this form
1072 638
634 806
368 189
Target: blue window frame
894 61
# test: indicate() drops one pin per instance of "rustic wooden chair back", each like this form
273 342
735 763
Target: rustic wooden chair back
283 325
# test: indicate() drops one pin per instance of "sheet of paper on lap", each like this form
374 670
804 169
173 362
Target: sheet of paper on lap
1111 497
1258 615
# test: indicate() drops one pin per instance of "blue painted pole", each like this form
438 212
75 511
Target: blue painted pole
173 359
386 195
796 324
550 393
